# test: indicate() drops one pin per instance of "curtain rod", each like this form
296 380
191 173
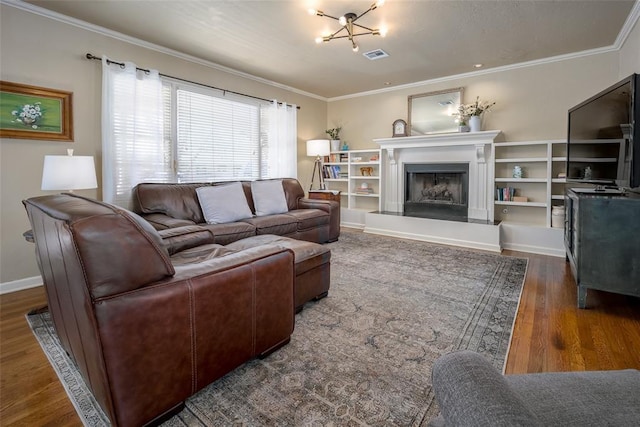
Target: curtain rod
121 64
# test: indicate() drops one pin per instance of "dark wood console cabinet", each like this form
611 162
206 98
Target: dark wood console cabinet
602 241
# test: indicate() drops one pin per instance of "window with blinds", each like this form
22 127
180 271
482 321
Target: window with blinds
216 138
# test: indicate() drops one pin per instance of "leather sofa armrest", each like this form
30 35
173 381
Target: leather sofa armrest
157 338
328 206
180 238
161 221
331 207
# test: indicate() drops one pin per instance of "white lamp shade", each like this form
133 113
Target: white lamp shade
318 147
68 173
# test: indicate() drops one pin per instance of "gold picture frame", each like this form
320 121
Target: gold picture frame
32 112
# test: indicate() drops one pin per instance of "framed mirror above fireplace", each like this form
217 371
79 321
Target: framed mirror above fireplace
431 112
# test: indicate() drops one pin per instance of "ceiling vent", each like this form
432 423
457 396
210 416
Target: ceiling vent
375 54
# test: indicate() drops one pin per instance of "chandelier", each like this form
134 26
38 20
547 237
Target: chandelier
348 22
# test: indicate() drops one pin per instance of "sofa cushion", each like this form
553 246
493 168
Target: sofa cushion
199 254
310 218
230 232
182 238
281 224
268 197
307 255
223 203
588 398
178 201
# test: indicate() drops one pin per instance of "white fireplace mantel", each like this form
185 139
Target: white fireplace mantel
437 140
473 148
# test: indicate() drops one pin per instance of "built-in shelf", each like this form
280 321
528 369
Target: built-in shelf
516 180
530 204
540 162
355 178
594 160
522 160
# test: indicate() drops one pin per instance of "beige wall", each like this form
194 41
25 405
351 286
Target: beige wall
630 53
531 102
43 52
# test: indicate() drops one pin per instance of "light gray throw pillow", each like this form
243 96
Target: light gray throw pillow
223 203
268 197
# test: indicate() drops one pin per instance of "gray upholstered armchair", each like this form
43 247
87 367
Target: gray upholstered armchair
471 392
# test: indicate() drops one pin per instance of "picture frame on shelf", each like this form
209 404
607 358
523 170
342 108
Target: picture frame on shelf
32 112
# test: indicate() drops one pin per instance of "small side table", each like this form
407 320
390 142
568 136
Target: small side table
325 195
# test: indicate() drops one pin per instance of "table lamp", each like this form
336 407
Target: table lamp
68 173
318 148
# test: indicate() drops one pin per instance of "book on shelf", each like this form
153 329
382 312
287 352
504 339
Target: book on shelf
336 158
361 190
333 172
505 194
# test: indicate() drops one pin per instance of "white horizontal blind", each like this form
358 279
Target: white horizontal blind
218 139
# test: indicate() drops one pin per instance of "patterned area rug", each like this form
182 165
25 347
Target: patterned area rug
363 355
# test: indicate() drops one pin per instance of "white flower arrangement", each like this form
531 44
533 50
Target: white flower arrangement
28 114
468 110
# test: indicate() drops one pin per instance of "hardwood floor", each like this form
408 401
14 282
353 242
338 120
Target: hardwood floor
30 392
550 334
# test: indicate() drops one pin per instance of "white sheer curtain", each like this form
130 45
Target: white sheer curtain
283 140
133 146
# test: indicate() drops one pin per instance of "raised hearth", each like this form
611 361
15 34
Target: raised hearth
472 151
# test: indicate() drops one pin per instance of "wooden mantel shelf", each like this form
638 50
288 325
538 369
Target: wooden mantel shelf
439 140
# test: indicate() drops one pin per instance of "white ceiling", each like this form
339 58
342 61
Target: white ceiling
427 39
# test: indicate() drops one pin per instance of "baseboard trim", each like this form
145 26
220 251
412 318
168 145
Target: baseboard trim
434 239
352 225
540 250
20 284
533 239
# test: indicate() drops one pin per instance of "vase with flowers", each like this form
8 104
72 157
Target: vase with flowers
471 114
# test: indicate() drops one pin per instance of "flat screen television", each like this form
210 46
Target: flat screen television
603 142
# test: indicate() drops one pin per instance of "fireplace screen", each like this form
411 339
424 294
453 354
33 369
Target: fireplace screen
436 190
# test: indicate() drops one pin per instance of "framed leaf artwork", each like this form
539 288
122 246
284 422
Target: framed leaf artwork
32 112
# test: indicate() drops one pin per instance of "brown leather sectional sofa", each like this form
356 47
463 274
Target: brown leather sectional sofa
148 329
175 205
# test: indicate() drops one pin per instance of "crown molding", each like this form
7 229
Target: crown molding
526 64
633 17
27 7
626 29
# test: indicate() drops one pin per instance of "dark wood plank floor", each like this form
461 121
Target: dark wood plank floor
550 334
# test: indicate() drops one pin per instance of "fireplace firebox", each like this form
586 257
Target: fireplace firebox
437 190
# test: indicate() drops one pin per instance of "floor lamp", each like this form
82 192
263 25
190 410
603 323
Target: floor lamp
318 148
